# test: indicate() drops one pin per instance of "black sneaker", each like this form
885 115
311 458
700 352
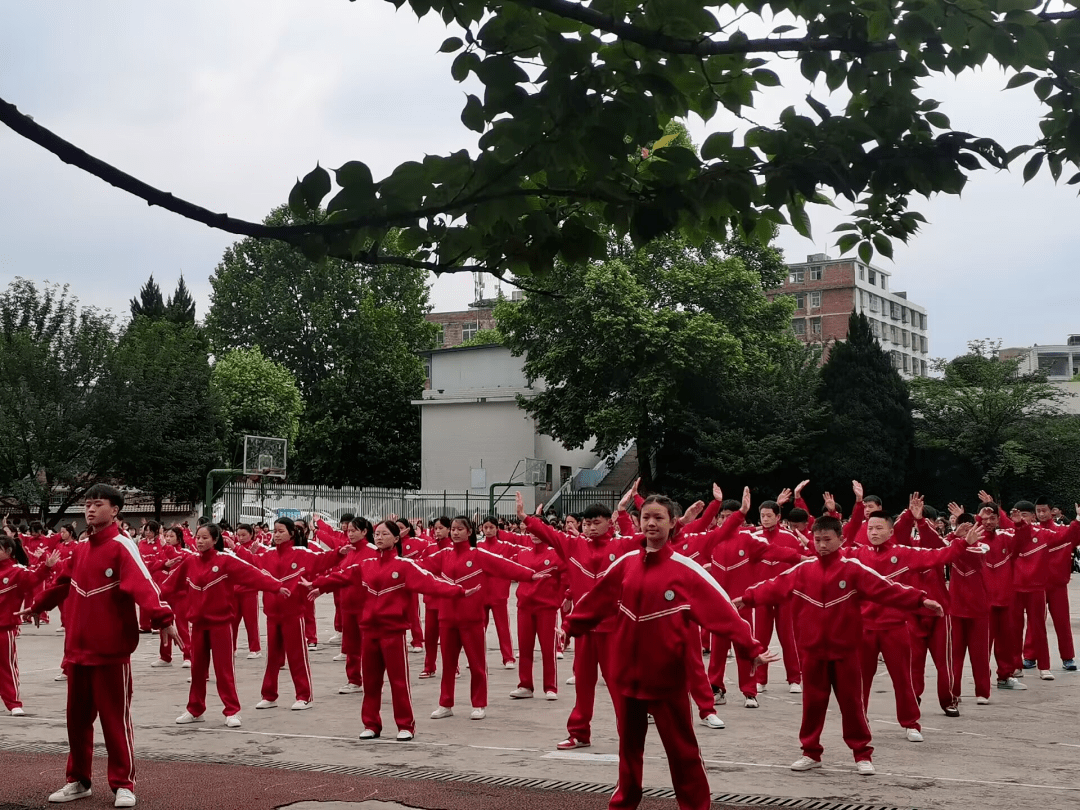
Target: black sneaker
1029 663
952 711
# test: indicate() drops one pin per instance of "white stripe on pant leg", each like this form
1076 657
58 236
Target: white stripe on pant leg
307 664
408 683
129 729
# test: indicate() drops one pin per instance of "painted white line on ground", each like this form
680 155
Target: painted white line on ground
357 740
604 758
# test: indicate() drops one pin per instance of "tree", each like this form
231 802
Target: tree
349 333
53 353
870 434
989 415
181 306
573 91
624 347
149 304
257 397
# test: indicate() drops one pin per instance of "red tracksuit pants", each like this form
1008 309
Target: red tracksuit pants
675 725
100 692
416 627
1001 639
311 633
933 634
431 637
893 642
590 660
718 660
454 638
537 626
498 612
1031 604
212 641
766 617
821 679
285 641
1057 603
386 655
247 612
352 644
698 681
337 611
9 668
971 637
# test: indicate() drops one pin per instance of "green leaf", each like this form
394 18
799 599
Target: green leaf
297 204
716 146
354 173
866 252
451 44
800 220
783 29
660 144
315 185
1020 79
847 242
1033 166
766 78
473 114
937 119
883 245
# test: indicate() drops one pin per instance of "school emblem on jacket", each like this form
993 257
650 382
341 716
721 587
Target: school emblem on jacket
5 580
546 562
742 552
842 584
108 572
669 595
214 569
611 557
895 560
468 563
685 546
395 575
294 566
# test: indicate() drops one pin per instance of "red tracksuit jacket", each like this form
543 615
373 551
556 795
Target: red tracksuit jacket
104 581
212 579
968 598
658 600
780 537
734 561
16 583
998 566
1030 568
353 595
289 564
540 594
463 565
1060 552
826 595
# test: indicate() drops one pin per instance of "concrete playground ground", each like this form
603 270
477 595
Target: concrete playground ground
1022 749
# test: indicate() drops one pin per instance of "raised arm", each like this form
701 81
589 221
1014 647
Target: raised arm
250 576
135 581
420 581
876 588
497 566
711 608
771 591
599 603
703 522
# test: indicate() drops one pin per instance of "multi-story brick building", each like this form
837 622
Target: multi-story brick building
827 290
457 327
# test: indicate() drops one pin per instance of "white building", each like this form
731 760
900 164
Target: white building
474 435
1059 363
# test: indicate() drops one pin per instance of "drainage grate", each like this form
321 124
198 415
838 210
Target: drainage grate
467 778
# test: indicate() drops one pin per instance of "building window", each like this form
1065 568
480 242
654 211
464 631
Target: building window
816 273
548 478
896 335
873 279
884 279
815 300
469 330
906 361
440 336
799 325
427 368
923 347
797 276
905 337
894 311
922 321
874 303
800 300
895 359
922 368
862 273
903 314
564 475
874 329
815 326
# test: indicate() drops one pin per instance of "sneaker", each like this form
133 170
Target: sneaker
712 721
18 712
551 695
60 629
762 687
188 718
1029 663
1069 666
313 647
63 677
334 639
559 657
982 701
521 693
404 736
441 712
161 663
124 798
186 665
804 763
426 674
478 714
795 688
301 705
571 680
509 665
416 649
70 792
340 657
750 703
233 721
1046 675
253 655
952 711
914 735
266 704
1018 673
368 734
570 743
865 768
350 689
1010 683
720 698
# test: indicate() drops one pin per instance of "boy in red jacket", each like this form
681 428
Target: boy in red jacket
1059 572
827 594
104 582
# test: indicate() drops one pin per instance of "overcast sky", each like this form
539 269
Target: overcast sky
225 104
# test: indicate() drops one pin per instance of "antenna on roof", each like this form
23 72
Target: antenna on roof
478 286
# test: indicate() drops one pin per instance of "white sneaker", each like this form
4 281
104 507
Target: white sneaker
795 688
300 705
712 721
350 689
63 677
18 712
571 680
340 657
404 736
70 792
60 630
124 798
233 721
559 656
1011 683
334 639
416 650
805 764
1046 675
266 704
750 703
313 647
186 664
441 712
551 695
161 663
478 714
982 701
761 687
914 735
865 768
510 665
368 734
187 718
253 655
521 693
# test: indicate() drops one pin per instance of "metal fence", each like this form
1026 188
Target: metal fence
575 501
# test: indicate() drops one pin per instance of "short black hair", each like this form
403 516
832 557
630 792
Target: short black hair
596 510
872 499
828 523
882 515
1024 506
772 506
730 505
965 517
1042 500
798 515
106 493
930 513
347 517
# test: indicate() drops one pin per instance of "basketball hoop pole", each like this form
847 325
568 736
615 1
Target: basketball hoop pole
208 505
491 492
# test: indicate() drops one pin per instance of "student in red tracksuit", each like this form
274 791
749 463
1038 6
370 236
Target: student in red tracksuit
827 594
498 591
16 581
440 533
1030 574
104 582
1059 557
969 611
247 601
159 564
150 543
998 577
658 598
36 545
211 578
413 547
461 621
327 537
390 581
286 631
307 538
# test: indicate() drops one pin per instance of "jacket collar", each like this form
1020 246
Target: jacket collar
110 532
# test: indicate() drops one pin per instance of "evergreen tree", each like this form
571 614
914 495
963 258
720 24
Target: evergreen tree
149 304
181 306
871 434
